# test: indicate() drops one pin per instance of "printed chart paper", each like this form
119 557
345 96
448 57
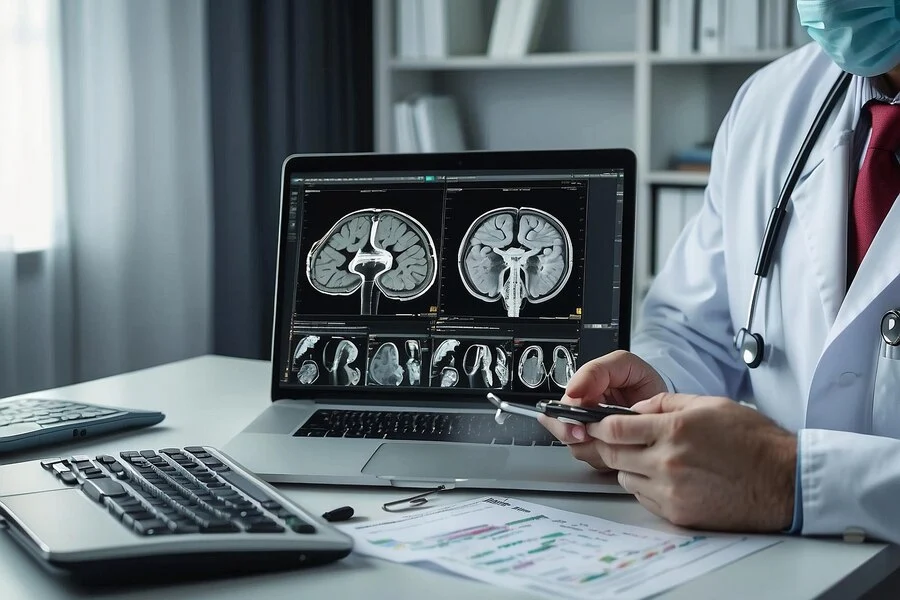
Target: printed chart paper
555 553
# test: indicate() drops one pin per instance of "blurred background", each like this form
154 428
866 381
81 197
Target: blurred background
141 141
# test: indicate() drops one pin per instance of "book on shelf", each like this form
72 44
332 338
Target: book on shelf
439 28
695 158
673 210
427 123
725 26
516 27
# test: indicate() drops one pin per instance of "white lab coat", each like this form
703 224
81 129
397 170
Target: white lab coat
827 374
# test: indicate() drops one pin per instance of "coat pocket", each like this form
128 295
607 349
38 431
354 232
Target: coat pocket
886 402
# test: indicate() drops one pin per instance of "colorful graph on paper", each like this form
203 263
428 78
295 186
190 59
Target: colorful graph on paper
547 551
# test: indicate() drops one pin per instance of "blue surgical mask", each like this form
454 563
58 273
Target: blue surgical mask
861 36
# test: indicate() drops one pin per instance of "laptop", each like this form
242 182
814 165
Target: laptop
410 286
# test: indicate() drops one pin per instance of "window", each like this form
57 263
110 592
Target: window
31 152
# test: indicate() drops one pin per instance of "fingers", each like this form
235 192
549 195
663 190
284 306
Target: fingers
566 433
633 459
593 379
665 403
642 429
642 489
586 452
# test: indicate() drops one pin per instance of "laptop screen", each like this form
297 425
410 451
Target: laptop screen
455 282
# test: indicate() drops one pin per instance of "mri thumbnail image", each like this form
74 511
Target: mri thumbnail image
471 363
327 359
396 361
543 365
371 253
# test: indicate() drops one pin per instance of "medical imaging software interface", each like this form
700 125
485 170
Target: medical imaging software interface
456 282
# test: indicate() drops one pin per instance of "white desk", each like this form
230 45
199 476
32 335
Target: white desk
207 400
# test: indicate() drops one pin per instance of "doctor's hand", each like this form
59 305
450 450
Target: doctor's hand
619 378
703 462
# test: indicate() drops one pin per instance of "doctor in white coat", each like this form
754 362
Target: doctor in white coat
821 455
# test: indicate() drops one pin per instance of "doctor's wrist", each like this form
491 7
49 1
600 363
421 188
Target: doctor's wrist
784 479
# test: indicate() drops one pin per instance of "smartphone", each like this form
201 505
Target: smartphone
576 414
557 410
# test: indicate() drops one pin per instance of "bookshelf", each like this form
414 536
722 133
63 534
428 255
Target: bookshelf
595 79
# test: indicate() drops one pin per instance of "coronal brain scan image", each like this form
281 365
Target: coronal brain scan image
515 256
373 252
531 367
544 365
563 366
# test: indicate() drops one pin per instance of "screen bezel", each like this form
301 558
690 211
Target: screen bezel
524 160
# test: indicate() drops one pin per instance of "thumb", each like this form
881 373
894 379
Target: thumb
664 403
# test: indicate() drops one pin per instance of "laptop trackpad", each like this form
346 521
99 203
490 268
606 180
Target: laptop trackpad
451 461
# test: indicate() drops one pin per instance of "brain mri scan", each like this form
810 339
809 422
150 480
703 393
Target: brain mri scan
309 370
563 366
531 367
515 256
501 368
339 357
384 366
443 363
413 362
373 252
477 365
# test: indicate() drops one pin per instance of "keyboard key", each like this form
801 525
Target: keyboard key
106 459
271 505
129 518
48 463
68 478
218 526
244 484
60 468
193 449
270 527
151 527
170 451
298 525
47 421
182 528
128 455
148 453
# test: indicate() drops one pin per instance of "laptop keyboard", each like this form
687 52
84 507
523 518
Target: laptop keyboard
478 428
176 491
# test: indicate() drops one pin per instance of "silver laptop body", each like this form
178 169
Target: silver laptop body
409 286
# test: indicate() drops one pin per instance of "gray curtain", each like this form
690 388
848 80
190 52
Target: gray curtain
286 76
138 182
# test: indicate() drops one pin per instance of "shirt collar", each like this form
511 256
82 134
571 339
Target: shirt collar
871 88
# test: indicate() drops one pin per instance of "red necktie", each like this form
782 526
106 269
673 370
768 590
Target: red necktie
877 185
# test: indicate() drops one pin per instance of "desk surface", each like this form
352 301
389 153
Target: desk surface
209 399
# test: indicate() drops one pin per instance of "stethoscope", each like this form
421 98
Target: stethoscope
751 345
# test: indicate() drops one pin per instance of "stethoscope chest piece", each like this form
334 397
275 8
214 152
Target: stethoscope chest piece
890 328
752 347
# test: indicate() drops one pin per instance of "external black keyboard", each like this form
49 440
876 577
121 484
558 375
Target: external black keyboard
176 491
477 428
158 515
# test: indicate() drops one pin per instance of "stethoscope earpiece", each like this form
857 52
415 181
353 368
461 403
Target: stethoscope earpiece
890 328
